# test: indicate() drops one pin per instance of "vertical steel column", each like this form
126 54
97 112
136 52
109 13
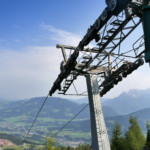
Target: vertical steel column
146 25
99 134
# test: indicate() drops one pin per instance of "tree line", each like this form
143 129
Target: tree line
133 139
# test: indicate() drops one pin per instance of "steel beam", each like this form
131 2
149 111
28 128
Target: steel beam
99 134
146 22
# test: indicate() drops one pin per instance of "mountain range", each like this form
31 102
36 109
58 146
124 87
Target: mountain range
17 116
130 102
126 103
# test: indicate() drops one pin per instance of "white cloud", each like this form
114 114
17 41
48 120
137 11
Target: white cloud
61 36
28 73
32 70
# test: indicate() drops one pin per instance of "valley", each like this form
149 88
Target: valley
17 116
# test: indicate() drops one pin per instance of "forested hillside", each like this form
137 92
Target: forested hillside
17 116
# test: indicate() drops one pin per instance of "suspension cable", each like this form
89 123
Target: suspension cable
70 120
35 118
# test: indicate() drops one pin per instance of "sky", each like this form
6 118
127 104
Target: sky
29 32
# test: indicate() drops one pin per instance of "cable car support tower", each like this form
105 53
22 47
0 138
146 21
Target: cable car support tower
106 64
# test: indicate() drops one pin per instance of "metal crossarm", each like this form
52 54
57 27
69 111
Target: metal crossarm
90 35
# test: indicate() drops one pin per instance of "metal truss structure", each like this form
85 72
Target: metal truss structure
106 60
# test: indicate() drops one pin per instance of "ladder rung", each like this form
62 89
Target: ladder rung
65 86
74 73
81 66
84 62
68 80
126 28
61 93
112 30
119 38
111 47
87 57
117 22
67 83
106 37
63 90
101 43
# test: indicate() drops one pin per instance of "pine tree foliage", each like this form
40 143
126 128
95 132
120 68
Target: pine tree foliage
50 144
80 147
84 147
117 142
134 138
147 144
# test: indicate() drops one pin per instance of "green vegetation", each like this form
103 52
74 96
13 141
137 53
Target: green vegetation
80 147
13 139
132 140
118 141
17 117
23 147
51 145
147 145
75 134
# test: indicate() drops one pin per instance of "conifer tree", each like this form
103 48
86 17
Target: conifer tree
135 140
117 142
84 147
147 144
50 143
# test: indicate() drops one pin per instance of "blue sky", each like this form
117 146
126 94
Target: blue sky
21 20
29 31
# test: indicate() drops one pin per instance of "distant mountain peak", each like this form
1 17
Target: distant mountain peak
134 93
130 101
137 92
